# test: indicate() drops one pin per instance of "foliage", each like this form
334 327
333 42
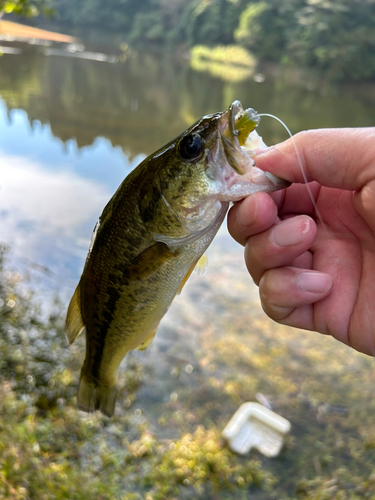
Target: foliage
48 449
33 354
209 22
148 26
27 8
200 461
185 21
230 62
262 29
112 14
335 36
340 485
171 448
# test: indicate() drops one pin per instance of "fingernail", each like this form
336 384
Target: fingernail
312 281
261 151
290 231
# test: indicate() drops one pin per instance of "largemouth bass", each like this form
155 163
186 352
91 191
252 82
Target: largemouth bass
149 238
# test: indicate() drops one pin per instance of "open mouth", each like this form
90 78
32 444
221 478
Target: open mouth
235 126
239 139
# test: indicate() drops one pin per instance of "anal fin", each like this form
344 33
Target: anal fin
74 323
147 342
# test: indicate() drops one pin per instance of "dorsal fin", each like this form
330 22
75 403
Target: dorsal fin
74 322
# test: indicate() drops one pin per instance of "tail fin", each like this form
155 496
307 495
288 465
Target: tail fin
93 397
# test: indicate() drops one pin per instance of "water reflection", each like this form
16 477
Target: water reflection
42 214
143 102
51 193
85 124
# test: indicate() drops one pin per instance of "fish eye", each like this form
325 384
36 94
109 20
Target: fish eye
190 147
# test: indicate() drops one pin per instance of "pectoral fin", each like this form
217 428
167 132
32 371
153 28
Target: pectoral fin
201 265
74 322
149 261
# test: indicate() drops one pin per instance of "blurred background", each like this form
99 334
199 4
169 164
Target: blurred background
87 90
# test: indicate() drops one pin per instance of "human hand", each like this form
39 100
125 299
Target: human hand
311 275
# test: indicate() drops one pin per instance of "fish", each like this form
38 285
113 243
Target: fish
151 235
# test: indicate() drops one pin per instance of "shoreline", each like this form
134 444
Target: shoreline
26 32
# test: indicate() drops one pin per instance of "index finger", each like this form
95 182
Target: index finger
339 158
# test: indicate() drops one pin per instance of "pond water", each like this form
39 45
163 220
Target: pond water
72 125
72 129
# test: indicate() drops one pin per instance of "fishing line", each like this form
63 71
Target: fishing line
317 211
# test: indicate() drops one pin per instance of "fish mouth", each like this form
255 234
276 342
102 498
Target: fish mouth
242 122
235 126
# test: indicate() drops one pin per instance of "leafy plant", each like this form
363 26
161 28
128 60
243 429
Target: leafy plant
27 8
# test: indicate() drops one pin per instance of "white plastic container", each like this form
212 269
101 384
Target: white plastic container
255 426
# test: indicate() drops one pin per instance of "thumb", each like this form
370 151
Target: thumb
339 158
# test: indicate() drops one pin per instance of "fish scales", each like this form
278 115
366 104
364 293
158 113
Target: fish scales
148 239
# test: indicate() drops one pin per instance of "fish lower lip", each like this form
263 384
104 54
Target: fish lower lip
277 181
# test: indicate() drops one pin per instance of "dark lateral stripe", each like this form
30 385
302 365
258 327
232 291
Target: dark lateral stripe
108 313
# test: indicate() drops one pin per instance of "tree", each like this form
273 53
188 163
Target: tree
27 8
336 36
264 27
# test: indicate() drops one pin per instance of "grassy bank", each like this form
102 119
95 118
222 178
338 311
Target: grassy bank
214 351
